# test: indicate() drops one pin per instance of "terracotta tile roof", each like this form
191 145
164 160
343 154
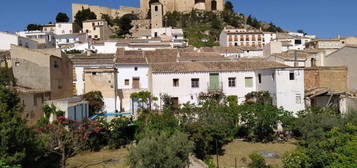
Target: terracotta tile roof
291 55
161 55
131 60
185 67
220 49
92 59
201 56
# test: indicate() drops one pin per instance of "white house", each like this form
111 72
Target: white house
66 28
8 39
96 72
173 34
132 77
184 81
245 37
293 41
68 40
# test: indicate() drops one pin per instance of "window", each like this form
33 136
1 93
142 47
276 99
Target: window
248 82
89 36
273 76
67 40
135 68
156 8
94 73
292 76
136 83
298 42
155 34
175 36
231 82
235 44
260 78
175 82
55 64
87 31
126 82
298 99
74 89
95 36
313 62
195 83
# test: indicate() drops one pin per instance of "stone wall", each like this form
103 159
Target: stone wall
334 78
99 10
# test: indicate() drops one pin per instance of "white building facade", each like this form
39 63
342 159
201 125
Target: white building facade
286 85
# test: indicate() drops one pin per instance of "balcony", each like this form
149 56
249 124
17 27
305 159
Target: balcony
215 86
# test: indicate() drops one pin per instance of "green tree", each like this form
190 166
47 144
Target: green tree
144 98
32 27
125 24
83 15
161 150
96 103
109 20
122 132
62 17
228 6
18 142
257 161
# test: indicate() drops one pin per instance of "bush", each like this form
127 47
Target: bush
257 161
296 159
161 150
121 132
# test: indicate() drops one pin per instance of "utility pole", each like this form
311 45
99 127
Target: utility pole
217 154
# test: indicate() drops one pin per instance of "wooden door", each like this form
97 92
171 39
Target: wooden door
136 83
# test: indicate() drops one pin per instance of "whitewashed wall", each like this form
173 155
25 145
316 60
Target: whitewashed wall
80 81
287 91
63 28
128 72
163 83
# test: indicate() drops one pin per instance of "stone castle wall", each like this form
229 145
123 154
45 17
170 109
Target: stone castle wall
99 10
183 5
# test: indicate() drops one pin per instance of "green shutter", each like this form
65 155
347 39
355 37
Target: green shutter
248 82
214 81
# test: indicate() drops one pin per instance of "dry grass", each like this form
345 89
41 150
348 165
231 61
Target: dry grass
241 150
102 159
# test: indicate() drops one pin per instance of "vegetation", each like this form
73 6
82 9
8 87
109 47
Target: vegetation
74 51
328 140
124 24
83 15
166 138
96 103
161 150
202 28
62 17
33 27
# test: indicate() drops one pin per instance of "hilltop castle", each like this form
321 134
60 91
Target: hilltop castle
184 5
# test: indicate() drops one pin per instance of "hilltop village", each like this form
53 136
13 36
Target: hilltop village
175 52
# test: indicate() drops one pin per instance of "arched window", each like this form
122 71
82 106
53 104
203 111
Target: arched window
313 62
214 5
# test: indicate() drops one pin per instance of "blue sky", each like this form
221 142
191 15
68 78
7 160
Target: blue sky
325 18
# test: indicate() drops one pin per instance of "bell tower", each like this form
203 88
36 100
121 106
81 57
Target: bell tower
156 15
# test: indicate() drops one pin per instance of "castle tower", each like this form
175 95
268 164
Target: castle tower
156 15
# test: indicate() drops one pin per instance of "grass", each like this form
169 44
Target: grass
241 150
102 159
237 149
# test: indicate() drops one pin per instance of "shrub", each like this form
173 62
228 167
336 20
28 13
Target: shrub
257 161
